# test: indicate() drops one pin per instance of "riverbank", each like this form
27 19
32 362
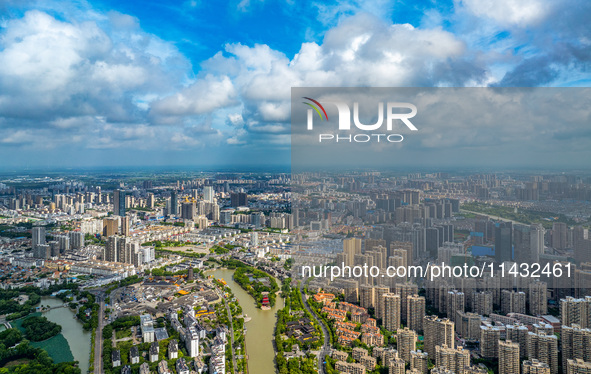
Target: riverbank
260 329
259 284
76 338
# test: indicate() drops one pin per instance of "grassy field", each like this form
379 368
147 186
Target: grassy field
125 333
13 363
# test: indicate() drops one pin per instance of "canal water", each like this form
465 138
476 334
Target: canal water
78 339
260 329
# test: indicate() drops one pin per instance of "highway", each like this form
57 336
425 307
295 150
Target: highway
326 348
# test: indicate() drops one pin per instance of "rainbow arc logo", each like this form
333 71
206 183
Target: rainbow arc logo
317 107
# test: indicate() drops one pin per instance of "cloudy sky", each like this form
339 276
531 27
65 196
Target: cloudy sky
206 83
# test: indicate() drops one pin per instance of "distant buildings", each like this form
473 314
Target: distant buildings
38 236
503 241
174 204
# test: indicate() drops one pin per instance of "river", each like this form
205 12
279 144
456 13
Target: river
260 329
78 339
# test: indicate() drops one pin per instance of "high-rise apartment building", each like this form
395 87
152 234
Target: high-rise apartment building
238 199
575 311
455 303
351 247
559 234
455 360
508 357
416 312
407 341
503 241
483 302
151 201
405 290
518 334
125 222
419 361
110 226
379 293
577 366
392 311
543 348
512 302
575 343
538 299
366 296
188 210
76 239
468 325
208 193
534 366
174 204
111 253
396 366
438 332
38 236
489 341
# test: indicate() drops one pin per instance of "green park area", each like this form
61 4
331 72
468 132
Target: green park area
56 346
525 216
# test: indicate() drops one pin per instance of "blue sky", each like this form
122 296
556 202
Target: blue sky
207 83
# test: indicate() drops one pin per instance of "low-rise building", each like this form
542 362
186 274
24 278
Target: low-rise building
116 358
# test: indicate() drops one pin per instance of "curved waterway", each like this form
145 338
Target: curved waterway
72 330
260 329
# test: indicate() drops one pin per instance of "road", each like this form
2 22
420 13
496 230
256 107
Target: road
98 338
221 294
326 348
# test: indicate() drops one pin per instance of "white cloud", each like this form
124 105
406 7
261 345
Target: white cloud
203 96
54 69
361 51
520 13
235 119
